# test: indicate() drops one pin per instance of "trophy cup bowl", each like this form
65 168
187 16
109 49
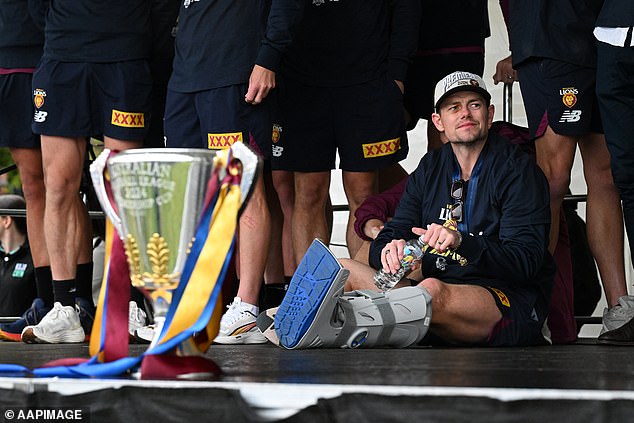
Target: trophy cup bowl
158 196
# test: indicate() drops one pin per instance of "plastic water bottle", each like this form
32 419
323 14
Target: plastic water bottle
412 253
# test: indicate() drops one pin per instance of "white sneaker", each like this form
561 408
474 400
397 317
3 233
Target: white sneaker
61 325
145 334
620 314
237 325
136 318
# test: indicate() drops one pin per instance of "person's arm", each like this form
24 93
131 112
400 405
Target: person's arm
376 210
405 20
504 71
282 22
408 214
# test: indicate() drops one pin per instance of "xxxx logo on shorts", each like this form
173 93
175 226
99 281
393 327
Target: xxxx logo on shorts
38 97
569 96
502 296
223 141
127 119
381 148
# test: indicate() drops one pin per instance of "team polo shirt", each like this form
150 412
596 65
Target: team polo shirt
98 31
341 43
17 281
554 29
219 41
21 38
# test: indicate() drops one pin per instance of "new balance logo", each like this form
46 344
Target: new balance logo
570 116
277 151
40 116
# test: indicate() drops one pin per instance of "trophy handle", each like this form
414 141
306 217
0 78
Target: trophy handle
250 168
96 174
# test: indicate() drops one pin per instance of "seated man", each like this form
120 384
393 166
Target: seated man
478 198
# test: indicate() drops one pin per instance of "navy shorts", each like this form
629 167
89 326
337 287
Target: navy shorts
217 118
426 71
16 111
560 95
524 313
91 99
365 123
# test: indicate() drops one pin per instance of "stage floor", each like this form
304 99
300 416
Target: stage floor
579 382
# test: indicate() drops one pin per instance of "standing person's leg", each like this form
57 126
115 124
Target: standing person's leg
615 92
370 133
571 110
309 212
62 125
255 121
16 114
284 185
254 235
237 325
29 162
62 160
117 107
358 186
280 263
215 119
558 99
604 217
304 152
555 156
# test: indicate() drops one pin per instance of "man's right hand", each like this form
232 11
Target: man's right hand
372 227
392 254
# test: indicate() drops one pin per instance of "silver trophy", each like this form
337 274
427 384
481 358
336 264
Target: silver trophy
158 197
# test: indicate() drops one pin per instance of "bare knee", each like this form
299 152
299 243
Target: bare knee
312 195
438 291
284 184
33 188
29 163
559 183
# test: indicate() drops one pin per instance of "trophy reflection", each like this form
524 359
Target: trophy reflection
155 202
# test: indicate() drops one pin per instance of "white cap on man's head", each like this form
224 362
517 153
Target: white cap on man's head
459 81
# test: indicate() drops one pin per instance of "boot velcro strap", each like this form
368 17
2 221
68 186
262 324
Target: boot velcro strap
385 310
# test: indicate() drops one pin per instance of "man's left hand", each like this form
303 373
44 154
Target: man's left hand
261 82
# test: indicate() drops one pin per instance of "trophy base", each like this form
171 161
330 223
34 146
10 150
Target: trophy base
165 366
